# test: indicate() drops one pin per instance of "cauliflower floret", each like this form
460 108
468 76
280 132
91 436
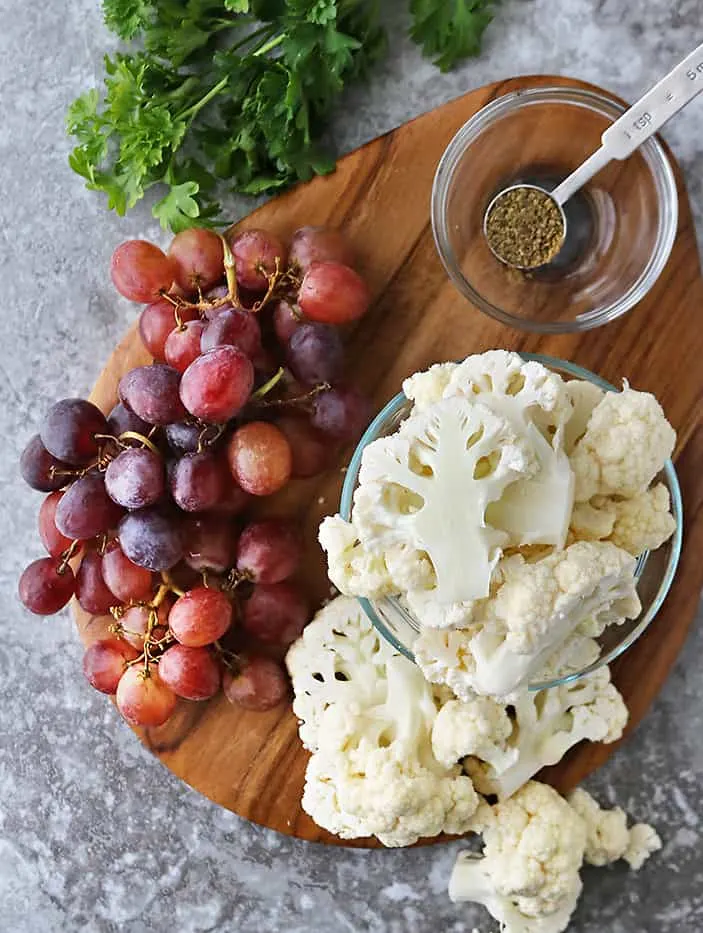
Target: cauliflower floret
429 612
546 725
480 727
512 636
352 569
427 487
645 522
528 877
593 521
427 387
584 397
626 444
608 837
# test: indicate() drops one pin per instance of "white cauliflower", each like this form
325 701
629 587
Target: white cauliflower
427 387
528 876
427 487
584 397
367 716
480 727
645 522
545 725
593 521
352 569
538 605
608 837
626 444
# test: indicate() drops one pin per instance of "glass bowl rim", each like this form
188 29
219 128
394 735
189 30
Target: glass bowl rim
579 372
659 165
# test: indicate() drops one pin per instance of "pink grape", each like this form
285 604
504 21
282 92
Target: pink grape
40 470
260 458
141 271
286 321
142 697
200 617
259 685
192 673
105 661
198 481
217 385
92 592
157 321
235 328
333 293
135 623
270 550
86 510
312 451
151 392
255 253
52 539
199 258
318 244
136 478
276 613
43 589
69 430
124 578
183 345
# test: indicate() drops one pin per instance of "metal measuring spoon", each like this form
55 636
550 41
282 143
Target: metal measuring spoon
621 139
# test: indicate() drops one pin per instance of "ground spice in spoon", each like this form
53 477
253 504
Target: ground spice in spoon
525 228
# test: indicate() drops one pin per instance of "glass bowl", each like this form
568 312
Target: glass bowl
655 569
620 227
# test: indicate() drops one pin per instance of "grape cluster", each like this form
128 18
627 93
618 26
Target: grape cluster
246 391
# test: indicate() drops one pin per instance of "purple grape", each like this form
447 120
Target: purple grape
69 430
234 328
151 538
198 481
183 437
135 478
36 465
121 419
341 413
151 392
85 509
315 354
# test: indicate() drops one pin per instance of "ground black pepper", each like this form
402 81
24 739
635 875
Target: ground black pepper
525 228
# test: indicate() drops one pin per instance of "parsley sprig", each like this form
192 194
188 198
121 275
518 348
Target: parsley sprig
235 92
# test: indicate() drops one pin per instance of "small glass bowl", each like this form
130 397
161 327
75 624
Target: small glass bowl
620 227
655 569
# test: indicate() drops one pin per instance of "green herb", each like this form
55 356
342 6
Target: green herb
525 228
235 93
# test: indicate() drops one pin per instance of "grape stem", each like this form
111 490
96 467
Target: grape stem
268 386
228 658
298 400
66 557
168 585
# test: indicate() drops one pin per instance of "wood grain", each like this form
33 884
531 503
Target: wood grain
253 763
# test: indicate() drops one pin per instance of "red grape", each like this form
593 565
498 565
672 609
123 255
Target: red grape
219 291
157 321
85 509
341 413
151 538
151 392
141 271
235 328
286 321
198 481
255 253
315 354
234 501
200 617
105 661
52 539
121 419
217 385
136 478
183 345
192 673
210 542
37 467
276 613
143 699
318 244
269 551
260 684
199 258
43 590
333 294
135 623
69 430
260 458
312 451
124 578
92 592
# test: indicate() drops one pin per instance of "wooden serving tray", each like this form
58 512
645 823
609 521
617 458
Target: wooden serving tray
253 763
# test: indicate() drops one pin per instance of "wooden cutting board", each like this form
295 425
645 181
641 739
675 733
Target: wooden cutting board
253 763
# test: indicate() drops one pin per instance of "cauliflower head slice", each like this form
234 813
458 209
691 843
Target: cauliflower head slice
608 837
538 605
427 387
627 442
427 487
545 725
339 660
528 876
374 772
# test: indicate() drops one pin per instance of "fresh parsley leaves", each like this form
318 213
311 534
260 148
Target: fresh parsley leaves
235 93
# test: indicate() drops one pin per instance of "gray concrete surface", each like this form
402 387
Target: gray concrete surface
95 835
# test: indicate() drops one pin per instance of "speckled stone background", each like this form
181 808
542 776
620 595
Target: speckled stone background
95 835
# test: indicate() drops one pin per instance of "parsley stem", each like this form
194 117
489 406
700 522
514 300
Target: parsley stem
271 44
198 105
